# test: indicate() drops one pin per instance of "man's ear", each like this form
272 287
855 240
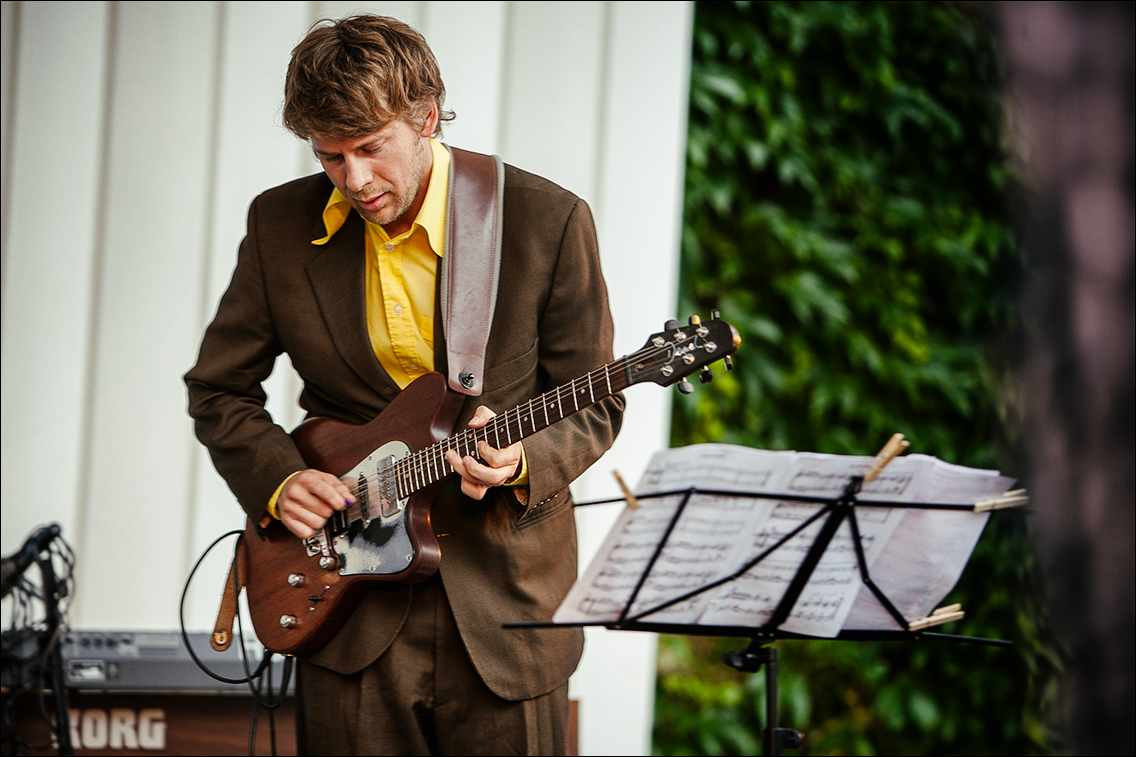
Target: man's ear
430 123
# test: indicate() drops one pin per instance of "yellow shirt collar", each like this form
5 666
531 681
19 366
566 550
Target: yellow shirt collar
431 216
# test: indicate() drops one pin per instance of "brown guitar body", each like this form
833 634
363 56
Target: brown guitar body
297 606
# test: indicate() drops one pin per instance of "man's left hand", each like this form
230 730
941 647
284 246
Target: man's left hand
496 466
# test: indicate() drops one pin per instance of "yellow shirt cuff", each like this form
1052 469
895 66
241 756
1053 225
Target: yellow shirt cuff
522 476
276 495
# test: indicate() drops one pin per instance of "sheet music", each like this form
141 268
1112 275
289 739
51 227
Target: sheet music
831 591
717 535
928 551
702 547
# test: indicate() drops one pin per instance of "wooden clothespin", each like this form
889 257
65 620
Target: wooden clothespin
894 446
632 502
1015 498
938 617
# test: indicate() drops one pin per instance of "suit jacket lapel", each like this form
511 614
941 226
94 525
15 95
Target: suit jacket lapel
338 278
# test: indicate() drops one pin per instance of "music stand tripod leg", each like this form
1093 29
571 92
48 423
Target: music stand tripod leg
774 739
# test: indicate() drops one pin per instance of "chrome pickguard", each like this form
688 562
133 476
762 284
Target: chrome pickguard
378 543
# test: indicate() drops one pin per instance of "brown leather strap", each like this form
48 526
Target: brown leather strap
223 629
471 265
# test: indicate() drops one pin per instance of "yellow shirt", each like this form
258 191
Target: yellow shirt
401 275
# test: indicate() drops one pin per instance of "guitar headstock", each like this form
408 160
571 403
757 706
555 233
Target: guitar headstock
677 352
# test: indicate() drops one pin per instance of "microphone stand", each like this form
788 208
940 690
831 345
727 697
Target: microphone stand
53 656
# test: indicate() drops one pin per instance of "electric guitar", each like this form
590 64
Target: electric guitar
301 591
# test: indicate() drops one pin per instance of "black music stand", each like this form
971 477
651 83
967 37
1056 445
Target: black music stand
758 654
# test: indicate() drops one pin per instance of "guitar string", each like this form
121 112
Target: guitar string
466 440
428 465
417 470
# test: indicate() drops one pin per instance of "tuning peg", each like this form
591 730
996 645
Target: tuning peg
685 386
729 363
715 315
671 325
706 376
695 320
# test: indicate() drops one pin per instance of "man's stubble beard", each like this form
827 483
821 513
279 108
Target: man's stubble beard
403 201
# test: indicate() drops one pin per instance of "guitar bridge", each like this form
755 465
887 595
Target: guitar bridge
318 544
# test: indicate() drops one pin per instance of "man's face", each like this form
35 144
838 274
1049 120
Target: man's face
383 175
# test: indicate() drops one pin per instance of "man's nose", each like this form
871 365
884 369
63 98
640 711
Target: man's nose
358 175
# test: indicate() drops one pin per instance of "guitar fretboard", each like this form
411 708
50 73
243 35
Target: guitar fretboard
664 359
422 468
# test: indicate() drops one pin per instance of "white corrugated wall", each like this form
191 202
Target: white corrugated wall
126 123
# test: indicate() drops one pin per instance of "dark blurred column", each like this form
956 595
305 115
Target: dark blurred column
1071 110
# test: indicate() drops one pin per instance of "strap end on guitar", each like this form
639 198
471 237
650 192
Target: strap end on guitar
222 636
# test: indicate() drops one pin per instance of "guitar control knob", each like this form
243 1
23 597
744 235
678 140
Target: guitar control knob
685 386
327 562
296 580
287 621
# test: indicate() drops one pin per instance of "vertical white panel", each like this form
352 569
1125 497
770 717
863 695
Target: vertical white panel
639 216
9 20
56 132
639 206
407 11
551 104
254 152
158 199
468 42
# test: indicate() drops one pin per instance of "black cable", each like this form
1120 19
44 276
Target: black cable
181 618
254 679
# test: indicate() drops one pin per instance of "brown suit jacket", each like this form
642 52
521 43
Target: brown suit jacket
501 561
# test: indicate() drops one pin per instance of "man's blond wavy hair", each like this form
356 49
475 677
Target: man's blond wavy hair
351 77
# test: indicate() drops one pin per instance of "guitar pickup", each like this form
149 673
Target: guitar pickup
388 487
363 497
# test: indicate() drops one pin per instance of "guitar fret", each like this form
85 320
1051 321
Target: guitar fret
591 389
607 374
544 404
574 399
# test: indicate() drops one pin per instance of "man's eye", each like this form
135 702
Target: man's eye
373 150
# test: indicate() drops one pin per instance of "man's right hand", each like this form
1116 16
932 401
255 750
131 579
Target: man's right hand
309 499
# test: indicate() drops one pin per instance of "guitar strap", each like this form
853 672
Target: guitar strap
223 629
471 265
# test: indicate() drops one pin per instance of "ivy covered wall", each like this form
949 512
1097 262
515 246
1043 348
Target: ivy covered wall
848 208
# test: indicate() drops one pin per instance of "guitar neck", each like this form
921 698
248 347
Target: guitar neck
429 465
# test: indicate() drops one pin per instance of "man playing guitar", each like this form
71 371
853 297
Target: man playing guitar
344 270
